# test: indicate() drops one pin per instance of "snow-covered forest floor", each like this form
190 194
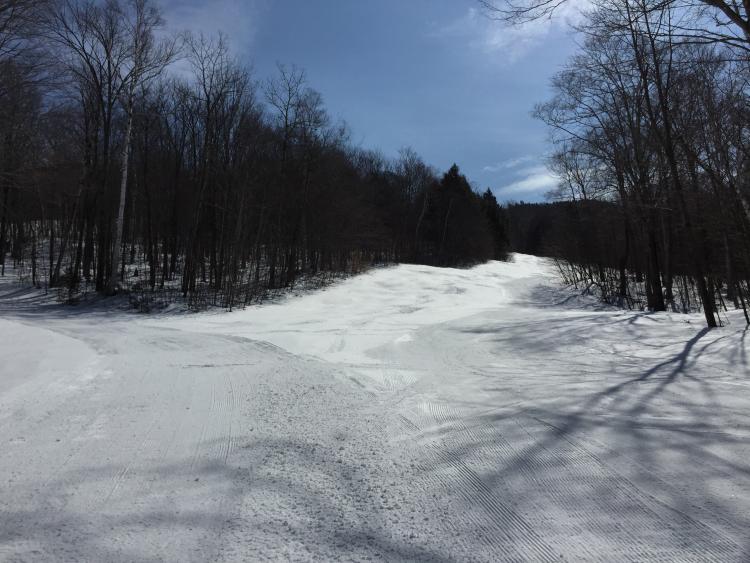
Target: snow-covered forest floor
407 414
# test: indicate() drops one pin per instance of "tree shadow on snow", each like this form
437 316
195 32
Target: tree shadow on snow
644 452
308 507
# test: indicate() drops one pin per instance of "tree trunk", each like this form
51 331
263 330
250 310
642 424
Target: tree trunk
117 249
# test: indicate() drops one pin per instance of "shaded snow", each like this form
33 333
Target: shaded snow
411 413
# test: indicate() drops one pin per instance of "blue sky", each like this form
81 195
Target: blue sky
435 75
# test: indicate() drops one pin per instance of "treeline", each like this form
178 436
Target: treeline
135 161
581 236
650 124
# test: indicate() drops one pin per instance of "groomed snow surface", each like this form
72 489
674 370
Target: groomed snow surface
408 414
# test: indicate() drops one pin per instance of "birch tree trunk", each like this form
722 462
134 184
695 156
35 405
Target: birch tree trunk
116 251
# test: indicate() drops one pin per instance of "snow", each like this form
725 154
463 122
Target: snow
410 413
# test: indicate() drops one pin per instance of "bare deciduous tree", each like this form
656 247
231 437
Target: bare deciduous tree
146 60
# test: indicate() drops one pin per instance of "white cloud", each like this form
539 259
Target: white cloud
507 164
536 180
237 19
492 36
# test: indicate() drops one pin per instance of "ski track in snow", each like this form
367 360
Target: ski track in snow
407 414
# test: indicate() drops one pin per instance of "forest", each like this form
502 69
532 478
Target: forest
158 165
649 128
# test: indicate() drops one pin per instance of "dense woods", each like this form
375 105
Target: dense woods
135 161
649 123
158 165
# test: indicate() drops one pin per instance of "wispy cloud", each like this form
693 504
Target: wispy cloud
492 37
508 164
237 19
533 180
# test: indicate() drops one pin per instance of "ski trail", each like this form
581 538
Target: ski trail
408 414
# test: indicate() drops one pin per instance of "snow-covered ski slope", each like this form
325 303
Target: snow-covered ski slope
408 414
